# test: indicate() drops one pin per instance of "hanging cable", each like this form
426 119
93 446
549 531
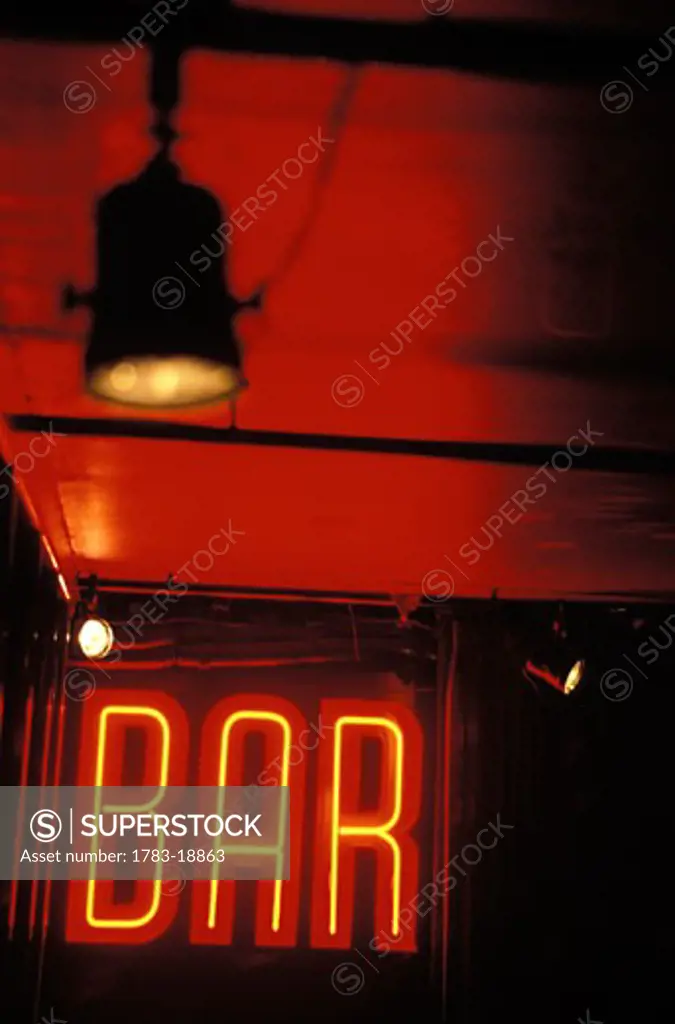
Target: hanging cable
355 635
337 120
164 94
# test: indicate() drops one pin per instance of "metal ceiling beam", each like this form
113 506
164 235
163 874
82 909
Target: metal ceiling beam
142 588
596 459
639 601
511 49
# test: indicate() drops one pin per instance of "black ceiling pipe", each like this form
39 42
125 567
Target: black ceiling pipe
596 459
515 49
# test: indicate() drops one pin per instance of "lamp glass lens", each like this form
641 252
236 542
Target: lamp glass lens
574 676
165 381
95 638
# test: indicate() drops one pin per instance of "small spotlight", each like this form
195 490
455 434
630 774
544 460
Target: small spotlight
557 659
153 343
95 637
564 680
574 676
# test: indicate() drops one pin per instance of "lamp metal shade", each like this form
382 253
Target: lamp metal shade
162 333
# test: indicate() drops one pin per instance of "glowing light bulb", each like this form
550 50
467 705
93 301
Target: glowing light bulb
165 381
95 638
123 377
574 676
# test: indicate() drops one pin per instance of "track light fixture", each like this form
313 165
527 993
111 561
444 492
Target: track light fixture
95 636
159 339
566 682
556 663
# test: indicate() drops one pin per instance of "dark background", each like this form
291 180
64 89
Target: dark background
566 919
567 913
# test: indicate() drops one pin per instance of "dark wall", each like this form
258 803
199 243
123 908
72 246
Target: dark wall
33 622
564 916
95 984
567 914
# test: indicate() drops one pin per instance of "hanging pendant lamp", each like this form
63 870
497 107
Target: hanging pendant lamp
161 337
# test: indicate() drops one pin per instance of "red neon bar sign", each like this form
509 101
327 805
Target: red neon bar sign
341 825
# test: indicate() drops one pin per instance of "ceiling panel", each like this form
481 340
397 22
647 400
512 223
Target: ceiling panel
601 12
139 510
425 167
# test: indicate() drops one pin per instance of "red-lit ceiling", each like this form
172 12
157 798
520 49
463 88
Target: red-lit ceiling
612 13
426 167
